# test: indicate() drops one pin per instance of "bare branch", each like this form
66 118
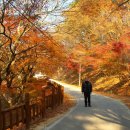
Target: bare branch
23 51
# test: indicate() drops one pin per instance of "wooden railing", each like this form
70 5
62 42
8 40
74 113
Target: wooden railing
31 110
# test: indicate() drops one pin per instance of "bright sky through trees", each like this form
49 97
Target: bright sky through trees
55 17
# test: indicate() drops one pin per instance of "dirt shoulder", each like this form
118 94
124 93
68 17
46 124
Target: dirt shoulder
53 115
124 99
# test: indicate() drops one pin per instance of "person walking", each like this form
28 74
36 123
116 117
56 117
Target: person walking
87 90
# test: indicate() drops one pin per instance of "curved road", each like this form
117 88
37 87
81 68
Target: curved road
105 114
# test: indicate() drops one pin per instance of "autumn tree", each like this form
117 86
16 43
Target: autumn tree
23 43
91 25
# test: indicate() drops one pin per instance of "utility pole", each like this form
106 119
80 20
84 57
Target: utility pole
80 67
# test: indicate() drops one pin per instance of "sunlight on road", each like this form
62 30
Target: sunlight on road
98 123
68 86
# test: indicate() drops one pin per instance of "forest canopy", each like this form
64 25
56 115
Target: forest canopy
62 38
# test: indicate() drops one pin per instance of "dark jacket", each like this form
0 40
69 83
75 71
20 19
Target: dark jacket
87 87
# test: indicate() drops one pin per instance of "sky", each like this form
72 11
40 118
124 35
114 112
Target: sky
55 17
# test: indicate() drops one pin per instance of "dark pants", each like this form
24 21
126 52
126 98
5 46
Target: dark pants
87 99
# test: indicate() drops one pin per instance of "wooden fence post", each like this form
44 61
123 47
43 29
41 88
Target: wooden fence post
27 110
62 94
59 93
43 103
1 120
53 98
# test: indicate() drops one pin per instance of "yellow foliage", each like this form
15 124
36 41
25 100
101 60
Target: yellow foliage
105 83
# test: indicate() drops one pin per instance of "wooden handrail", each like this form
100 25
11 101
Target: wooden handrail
29 112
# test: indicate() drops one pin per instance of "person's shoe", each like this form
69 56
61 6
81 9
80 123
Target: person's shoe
89 105
85 105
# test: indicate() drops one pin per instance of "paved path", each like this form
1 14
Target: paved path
105 114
